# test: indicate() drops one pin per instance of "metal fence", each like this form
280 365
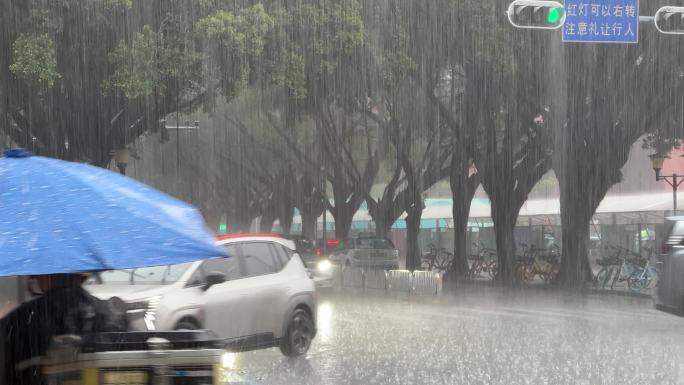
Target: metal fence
416 282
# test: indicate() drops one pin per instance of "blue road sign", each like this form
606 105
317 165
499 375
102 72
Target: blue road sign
601 21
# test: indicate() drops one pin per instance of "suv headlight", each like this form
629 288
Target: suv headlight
148 306
324 265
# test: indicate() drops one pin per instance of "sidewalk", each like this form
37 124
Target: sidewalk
541 286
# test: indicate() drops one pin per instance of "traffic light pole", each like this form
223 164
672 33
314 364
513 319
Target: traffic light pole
543 14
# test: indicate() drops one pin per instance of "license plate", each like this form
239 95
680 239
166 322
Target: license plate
127 378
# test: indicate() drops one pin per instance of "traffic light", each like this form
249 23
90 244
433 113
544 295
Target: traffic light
223 227
536 14
670 20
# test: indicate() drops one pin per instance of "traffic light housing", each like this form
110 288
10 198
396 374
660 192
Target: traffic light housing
670 20
536 14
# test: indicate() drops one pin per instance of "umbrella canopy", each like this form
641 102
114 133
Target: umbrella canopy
63 217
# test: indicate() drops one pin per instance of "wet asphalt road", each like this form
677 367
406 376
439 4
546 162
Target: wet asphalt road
479 336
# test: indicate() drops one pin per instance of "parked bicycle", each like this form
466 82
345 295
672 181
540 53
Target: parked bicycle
538 262
624 265
643 278
437 259
484 261
610 263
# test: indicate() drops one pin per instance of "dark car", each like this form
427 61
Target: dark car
315 258
326 247
670 295
304 247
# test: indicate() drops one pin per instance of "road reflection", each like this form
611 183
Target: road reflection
324 322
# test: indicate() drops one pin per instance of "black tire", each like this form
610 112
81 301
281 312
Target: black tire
187 324
299 334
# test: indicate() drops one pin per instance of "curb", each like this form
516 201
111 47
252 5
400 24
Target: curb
452 287
620 293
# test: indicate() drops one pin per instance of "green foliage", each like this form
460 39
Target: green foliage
34 59
241 37
44 21
224 27
135 66
291 74
398 64
334 29
488 36
242 33
255 23
661 142
150 59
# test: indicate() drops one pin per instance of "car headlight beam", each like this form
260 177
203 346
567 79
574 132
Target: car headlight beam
324 265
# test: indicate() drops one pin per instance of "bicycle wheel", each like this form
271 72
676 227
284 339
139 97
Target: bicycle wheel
521 273
428 262
602 278
442 262
475 269
493 269
638 280
616 273
546 275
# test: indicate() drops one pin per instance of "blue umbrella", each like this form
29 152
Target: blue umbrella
64 217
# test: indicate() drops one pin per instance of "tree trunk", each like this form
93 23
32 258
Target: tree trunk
285 219
463 189
504 219
308 199
575 269
382 213
461 208
266 224
308 223
343 220
581 191
414 214
382 227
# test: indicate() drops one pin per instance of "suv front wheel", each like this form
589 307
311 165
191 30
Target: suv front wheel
300 332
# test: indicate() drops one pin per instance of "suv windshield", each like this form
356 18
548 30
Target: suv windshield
304 246
374 243
154 275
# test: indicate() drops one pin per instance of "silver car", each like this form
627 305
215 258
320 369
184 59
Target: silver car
366 252
261 296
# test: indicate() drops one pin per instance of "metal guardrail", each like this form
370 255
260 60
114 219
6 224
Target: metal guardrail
416 282
427 282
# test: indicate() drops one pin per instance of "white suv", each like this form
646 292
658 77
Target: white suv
261 296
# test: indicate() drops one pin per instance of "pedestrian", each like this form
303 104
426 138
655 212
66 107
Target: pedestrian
62 307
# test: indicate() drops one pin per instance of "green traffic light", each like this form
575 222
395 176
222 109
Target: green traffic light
554 15
223 227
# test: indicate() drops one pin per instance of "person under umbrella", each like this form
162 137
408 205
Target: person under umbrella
62 218
62 307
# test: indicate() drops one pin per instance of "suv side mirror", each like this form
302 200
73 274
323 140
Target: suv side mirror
214 278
